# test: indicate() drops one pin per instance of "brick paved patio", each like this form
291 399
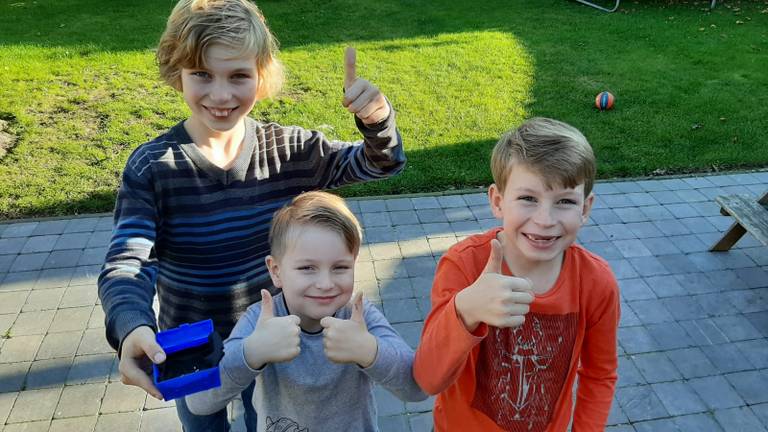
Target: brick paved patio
693 337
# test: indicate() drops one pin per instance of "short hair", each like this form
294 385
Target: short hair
315 209
195 25
556 151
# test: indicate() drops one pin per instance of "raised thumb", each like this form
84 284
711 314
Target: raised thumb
357 308
267 306
494 259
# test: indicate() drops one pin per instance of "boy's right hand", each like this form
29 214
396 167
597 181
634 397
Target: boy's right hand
136 351
495 299
275 339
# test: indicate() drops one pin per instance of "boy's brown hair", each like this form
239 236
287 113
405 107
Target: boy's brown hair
556 151
316 209
195 25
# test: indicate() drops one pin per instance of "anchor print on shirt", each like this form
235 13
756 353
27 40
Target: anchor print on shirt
284 424
521 371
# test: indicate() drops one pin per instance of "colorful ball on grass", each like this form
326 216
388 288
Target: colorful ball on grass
604 101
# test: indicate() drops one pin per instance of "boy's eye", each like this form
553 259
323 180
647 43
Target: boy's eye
567 201
201 74
305 268
527 198
240 76
342 267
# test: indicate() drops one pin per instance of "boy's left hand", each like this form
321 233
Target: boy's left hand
348 341
362 98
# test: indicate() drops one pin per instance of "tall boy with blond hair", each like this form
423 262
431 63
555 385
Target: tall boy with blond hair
195 203
520 311
314 354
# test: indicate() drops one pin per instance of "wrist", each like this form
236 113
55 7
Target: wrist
463 311
252 354
370 350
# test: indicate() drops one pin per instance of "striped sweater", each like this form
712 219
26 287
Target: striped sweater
197 234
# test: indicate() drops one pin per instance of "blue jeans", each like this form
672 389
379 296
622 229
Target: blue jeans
216 422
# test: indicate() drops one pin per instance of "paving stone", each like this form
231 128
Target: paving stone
12 302
630 214
704 332
640 403
395 423
635 340
48 373
622 269
756 351
160 420
689 243
691 196
606 250
23 229
364 271
466 228
381 251
678 264
740 419
682 210
72 241
80 400
50 227
620 428
81 225
628 316
118 422
671 227
750 385
656 367
37 426
448 201
604 216
6 321
695 283
666 197
32 405
651 311
420 266
635 289
5 263
617 231
20 348
726 280
395 289
73 424
697 422
700 225
59 345
678 398
403 217
455 214
661 425
54 278
733 259
421 422
372 206
715 304
752 277
380 234
413 248
387 403
425 203
12 376
402 310
32 323
760 321
629 374
441 245
39 244
665 286
670 335
71 319
641 199
380 219
28 262
410 331
716 392
691 362
482 212
684 308
748 301
63 259
706 208
648 266
698 182
12 246
736 327
727 358
154 404
760 410
93 256
390 269
431 215
6 403
632 248
94 342
409 232
43 299
656 213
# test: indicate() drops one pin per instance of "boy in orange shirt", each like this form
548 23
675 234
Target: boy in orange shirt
519 311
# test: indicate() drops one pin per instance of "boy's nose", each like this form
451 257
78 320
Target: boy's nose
543 216
220 92
324 281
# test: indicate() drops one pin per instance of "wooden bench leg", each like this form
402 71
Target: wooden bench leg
734 233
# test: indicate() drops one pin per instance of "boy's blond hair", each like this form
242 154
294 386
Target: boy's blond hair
556 151
195 25
316 209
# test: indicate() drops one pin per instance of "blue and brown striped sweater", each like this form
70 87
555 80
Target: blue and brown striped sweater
196 234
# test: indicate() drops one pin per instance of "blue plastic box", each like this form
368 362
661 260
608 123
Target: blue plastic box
193 352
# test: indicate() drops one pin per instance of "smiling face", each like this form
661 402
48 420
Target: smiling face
538 223
316 273
221 93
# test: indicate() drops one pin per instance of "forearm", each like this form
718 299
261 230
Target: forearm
393 369
383 146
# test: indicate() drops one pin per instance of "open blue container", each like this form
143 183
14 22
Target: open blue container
193 352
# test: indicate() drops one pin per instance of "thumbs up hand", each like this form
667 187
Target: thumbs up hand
275 339
348 341
362 98
495 299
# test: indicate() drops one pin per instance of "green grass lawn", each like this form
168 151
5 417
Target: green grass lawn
79 87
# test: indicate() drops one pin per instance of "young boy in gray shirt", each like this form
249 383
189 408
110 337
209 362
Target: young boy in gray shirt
314 353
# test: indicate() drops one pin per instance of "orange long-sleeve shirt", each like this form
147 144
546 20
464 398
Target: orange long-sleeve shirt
521 379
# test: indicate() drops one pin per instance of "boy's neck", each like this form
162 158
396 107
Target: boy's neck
220 147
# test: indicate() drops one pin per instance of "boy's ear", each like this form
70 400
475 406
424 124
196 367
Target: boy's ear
494 198
587 208
274 271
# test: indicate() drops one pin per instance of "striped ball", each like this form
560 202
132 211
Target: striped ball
604 101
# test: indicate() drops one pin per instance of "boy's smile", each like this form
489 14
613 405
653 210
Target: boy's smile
316 274
539 223
221 93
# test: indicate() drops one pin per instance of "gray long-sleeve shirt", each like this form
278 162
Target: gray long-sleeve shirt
310 393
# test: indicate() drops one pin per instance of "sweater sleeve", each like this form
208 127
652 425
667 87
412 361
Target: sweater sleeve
127 281
445 342
234 371
599 362
393 366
